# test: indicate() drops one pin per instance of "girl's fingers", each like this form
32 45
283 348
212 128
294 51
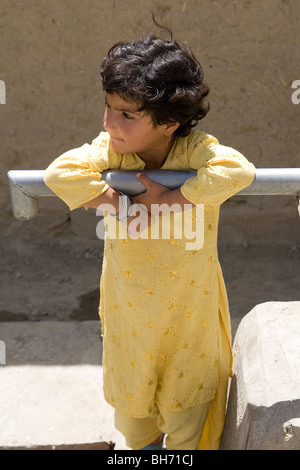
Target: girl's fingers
145 180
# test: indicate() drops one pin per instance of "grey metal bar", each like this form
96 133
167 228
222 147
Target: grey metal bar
26 186
268 181
126 181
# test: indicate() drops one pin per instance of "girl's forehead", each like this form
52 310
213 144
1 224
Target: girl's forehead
120 104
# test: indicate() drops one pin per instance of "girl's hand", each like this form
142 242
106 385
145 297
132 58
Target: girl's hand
139 221
156 193
144 217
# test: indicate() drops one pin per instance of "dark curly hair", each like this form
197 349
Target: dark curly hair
163 76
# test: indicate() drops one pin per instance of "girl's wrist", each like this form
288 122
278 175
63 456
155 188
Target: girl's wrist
125 207
174 196
109 197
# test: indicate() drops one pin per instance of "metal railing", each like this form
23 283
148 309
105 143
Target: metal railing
27 186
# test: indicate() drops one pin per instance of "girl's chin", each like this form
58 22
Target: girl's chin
117 144
120 146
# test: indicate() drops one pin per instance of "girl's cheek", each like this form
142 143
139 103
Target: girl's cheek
130 129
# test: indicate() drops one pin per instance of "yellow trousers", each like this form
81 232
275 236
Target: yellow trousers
196 428
183 428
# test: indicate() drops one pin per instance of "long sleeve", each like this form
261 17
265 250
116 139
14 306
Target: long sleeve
221 172
75 176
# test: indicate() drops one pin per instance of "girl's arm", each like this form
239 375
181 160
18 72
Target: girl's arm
76 175
109 198
109 201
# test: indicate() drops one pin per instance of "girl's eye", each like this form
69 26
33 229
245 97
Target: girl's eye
127 116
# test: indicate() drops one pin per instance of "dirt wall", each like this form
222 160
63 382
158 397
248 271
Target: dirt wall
50 54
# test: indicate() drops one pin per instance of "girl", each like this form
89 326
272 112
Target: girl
164 310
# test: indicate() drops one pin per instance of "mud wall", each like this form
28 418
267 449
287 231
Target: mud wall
50 54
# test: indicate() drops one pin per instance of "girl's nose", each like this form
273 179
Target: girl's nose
108 122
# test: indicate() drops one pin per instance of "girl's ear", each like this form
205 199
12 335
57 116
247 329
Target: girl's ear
170 127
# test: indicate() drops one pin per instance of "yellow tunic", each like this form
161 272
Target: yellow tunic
163 306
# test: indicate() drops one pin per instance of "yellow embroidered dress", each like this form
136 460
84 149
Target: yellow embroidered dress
163 305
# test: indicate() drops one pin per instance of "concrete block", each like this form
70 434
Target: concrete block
263 409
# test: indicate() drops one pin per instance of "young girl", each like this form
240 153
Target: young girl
164 310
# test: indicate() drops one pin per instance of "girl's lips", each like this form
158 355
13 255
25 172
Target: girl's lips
117 139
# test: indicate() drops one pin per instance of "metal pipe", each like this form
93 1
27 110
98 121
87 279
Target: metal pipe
26 186
268 181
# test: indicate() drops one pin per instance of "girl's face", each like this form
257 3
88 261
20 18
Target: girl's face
132 131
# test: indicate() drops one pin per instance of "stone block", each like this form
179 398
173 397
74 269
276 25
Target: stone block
263 411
